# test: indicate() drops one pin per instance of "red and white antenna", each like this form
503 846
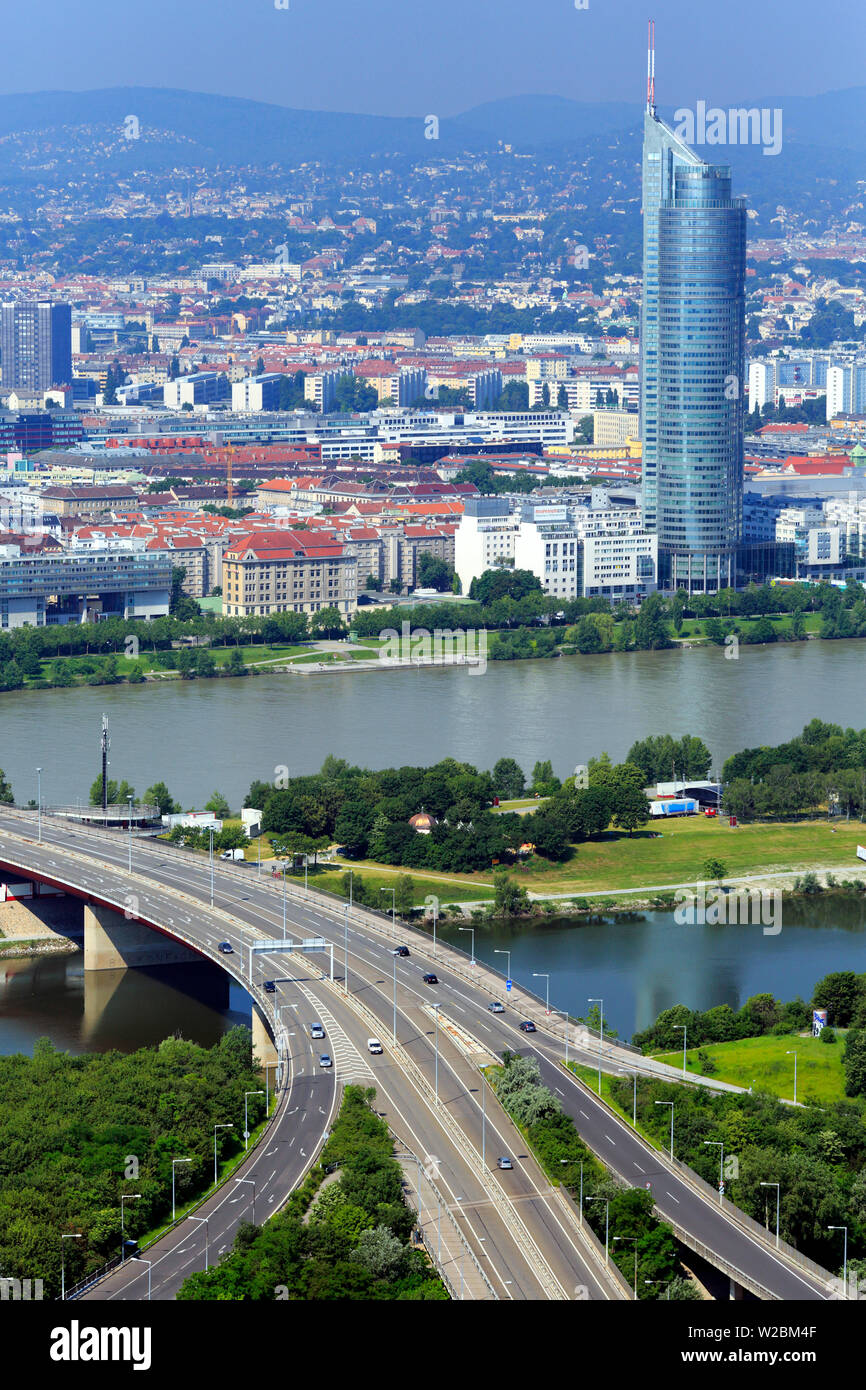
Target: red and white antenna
651 66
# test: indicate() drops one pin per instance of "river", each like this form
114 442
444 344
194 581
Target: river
200 735
207 735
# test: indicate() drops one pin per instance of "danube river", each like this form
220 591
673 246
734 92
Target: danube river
200 735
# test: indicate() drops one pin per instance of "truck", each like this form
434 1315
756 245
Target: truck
232 854
670 807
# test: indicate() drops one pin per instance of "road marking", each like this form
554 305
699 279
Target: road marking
673 1198
638 1167
610 1141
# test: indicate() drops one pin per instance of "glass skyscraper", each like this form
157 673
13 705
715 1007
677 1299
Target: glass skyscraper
692 361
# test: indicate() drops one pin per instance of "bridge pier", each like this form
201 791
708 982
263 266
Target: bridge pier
114 942
263 1046
737 1292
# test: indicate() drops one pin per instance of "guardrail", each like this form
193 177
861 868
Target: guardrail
406 1152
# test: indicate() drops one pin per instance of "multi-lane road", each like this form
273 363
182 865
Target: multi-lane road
526 1236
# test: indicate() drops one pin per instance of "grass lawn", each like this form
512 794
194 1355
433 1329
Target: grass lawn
693 628
615 860
764 1064
381 877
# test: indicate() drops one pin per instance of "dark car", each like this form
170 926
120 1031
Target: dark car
400 951
270 987
227 948
431 979
527 1026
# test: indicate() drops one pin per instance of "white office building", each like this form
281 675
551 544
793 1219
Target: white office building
198 388
256 393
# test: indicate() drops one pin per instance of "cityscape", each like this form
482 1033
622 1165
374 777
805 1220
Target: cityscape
432 579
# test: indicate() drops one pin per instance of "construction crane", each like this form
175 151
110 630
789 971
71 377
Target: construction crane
229 483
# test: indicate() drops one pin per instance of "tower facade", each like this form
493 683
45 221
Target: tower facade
36 345
692 360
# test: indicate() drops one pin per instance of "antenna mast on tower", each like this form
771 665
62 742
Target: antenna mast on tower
651 67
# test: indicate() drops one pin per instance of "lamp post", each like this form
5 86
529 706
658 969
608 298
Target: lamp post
126 1197
149 1264
606 1201
633 1074
671 1104
284 902
472 930
667 1284
205 1220
174 1163
565 1026
393 892
129 799
247 1095
253 1182
66 1235
600 1003
215 1172
627 1239
435 915
539 975
39 803
718 1143
791 1052
778 1194
676 1027
346 947
844 1257
210 834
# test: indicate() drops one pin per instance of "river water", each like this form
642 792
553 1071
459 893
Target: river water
201 736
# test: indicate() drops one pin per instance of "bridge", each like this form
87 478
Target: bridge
492 1234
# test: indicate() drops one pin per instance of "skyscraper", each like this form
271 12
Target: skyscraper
692 359
36 345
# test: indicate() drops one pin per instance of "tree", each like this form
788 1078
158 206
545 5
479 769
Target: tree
159 795
6 796
713 870
839 993
404 894
181 606
218 805
544 782
508 779
433 573
854 1062
630 808
509 898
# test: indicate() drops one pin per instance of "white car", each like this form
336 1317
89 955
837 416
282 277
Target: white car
496 1007
374 1046
316 1030
325 1060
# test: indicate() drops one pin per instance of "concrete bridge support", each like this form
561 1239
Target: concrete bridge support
113 942
263 1046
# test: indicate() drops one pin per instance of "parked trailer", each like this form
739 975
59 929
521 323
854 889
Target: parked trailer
673 808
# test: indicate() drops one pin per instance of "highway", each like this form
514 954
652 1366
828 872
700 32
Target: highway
519 1225
525 1233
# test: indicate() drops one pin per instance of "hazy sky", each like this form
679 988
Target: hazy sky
405 57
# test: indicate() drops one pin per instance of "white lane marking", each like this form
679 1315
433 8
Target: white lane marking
673 1198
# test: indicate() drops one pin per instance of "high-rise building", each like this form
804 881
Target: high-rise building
692 359
36 345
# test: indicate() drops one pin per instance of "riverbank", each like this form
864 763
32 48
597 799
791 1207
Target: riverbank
38 946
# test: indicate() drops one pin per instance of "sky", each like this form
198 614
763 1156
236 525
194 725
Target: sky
410 57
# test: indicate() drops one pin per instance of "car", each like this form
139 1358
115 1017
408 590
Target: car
504 1162
316 1030
430 978
325 1060
374 1046
527 1026
270 987
227 948
496 1007
400 951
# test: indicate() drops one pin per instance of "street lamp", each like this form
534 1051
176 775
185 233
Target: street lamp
174 1163
247 1095
497 952
600 1002
71 1235
565 1021
671 1104
666 1282
606 1201
778 1194
633 1074
792 1053
149 1264
346 947
253 1181
634 1239
210 833
205 1220
676 1027
129 799
844 1257
719 1143
472 929
393 892
39 802
539 975
394 1017
215 1172
126 1197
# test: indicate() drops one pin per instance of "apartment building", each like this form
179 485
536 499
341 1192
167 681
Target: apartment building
257 392
197 388
82 586
485 538
288 572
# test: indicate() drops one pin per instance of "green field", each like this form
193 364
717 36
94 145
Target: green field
764 1064
693 628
